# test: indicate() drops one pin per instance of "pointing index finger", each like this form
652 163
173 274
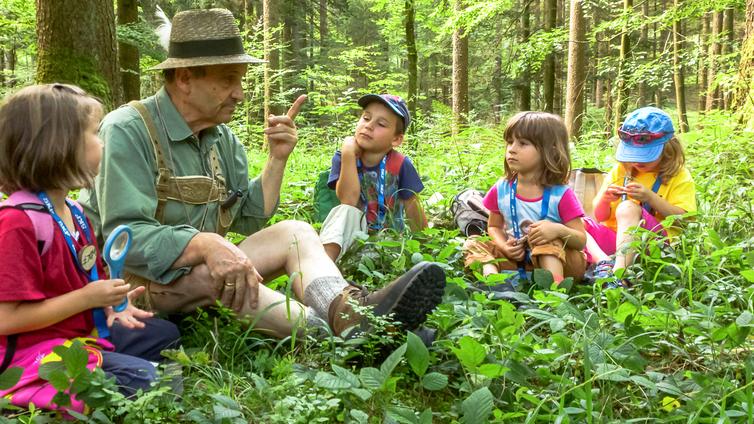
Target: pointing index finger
293 111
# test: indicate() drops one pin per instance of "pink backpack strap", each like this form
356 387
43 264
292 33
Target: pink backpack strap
40 218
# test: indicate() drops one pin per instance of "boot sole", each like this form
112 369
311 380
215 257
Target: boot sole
416 297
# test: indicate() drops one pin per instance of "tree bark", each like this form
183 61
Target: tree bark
680 88
267 46
713 91
644 46
701 79
548 83
412 56
2 67
323 30
460 75
524 80
743 101
621 92
76 42
729 29
128 54
576 70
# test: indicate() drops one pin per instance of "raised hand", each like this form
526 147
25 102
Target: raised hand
281 131
104 293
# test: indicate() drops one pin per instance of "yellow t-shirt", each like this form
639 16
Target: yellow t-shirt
679 191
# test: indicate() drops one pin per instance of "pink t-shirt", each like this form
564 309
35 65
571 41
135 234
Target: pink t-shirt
568 207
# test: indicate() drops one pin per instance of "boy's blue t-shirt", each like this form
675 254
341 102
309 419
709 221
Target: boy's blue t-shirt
404 185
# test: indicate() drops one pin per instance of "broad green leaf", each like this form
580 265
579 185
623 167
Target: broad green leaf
748 275
435 381
10 377
75 359
402 414
492 370
362 394
346 375
329 381
372 378
471 353
745 319
477 407
359 416
426 416
59 380
417 354
392 361
542 278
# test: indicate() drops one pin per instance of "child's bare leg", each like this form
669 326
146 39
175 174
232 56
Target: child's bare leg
627 214
489 269
552 264
595 250
333 250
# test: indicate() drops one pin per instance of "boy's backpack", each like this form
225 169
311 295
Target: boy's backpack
37 213
586 182
469 212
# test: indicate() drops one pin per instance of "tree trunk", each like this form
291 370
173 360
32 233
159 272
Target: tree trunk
576 70
2 67
743 101
460 75
701 79
713 91
548 83
524 80
680 88
128 54
412 57
76 42
267 46
644 47
621 93
323 30
728 27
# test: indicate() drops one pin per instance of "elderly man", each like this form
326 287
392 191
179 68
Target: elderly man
175 174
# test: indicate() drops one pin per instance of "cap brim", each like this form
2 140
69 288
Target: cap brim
642 154
369 98
172 63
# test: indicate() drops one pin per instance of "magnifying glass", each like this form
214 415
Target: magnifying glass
116 248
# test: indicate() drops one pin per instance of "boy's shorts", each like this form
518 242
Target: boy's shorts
606 237
574 261
342 226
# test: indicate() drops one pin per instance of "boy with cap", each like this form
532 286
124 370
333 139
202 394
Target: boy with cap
375 184
648 184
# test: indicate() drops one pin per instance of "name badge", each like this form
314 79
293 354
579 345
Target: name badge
88 257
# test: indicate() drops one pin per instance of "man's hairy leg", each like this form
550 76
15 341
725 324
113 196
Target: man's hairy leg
288 247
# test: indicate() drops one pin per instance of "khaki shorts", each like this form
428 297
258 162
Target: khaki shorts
342 226
574 261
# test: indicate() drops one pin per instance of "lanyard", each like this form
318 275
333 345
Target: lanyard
92 275
655 188
381 207
514 220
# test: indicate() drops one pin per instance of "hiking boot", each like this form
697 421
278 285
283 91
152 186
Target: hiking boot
411 297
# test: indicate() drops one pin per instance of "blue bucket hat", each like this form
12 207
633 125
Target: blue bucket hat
394 103
643 135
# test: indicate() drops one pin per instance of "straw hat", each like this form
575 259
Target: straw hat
205 37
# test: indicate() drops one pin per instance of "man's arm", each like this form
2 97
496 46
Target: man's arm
281 138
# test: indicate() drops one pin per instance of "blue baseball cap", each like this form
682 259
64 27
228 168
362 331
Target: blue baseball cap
643 135
394 103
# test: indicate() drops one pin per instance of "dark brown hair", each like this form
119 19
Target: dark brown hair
42 133
549 135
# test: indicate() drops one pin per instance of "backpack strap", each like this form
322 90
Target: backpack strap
162 186
394 162
10 351
37 213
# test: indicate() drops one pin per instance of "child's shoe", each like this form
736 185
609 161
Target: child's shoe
600 270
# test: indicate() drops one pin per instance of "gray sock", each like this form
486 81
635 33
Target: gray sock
320 293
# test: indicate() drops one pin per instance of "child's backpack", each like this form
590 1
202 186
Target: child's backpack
37 213
469 212
324 197
586 182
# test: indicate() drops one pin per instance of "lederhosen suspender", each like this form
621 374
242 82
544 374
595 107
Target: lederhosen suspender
195 190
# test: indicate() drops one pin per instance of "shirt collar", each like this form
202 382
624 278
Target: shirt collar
176 126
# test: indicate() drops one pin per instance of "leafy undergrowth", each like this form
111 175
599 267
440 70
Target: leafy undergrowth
676 347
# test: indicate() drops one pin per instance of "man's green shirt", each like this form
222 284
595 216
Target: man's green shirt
124 191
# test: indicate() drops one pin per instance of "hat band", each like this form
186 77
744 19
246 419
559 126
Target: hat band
204 48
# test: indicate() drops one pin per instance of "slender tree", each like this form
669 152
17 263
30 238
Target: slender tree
76 42
680 88
323 30
524 80
743 101
729 31
412 56
576 70
621 92
701 75
128 54
267 46
548 83
460 74
713 57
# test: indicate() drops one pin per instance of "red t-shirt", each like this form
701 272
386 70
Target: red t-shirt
25 276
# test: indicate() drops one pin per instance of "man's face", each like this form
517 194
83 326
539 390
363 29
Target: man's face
215 95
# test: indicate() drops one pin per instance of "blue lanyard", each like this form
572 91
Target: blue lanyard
92 275
514 220
655 188
381 206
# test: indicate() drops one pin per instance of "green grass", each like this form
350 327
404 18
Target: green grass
674 348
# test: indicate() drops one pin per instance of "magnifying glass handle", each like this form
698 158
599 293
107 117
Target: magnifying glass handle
122 306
